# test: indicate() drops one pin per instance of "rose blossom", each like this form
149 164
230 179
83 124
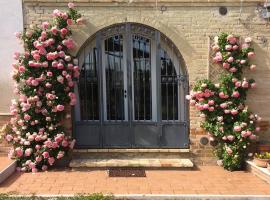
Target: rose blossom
45 25
237 128
230 137
234 112
71 5
229 150
69 22
252 67
51 160
28 152
251 54
235 94
45 154
248 40
60 107
253 85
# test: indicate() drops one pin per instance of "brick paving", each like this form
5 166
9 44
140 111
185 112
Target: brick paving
204 180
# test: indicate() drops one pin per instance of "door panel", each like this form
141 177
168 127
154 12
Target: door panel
147 135
114 77
142 89
116 135
88 135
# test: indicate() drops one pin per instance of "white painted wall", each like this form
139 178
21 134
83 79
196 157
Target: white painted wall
11 19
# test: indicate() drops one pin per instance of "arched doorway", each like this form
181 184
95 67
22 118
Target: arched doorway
131 91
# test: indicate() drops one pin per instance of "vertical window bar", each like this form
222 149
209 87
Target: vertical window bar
114 79
85 89
173 82
138 79
96 85
144 77
167 98
108 72
121 79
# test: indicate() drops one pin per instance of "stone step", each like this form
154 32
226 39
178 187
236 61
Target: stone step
7 167
131 150
131 162
262 173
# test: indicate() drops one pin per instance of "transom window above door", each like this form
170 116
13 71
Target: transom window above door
131 75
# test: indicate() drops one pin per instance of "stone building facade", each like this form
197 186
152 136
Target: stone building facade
189 25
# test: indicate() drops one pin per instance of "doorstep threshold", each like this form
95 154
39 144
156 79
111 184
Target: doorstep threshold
131 162
131 150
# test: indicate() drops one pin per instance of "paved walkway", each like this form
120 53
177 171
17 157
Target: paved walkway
205 180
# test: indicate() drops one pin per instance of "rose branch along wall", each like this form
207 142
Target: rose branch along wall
189 26
12 21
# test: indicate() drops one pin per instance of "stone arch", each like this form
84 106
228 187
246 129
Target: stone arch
82 34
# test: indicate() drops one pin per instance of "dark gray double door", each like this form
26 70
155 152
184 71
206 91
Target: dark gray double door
129 92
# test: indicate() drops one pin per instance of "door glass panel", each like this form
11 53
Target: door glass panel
88 87
169 88
142 78
114 73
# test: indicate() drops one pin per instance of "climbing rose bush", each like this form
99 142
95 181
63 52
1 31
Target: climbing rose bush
222 105
44 74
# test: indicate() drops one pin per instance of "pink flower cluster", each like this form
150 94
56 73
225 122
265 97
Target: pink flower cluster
227 59
44 76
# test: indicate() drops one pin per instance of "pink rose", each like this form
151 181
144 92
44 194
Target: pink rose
228 47
230 59
45 154
257 129
230 137
242 62
21 69
229 150
235 47
220 118
63 31
248 40
237 128
34 82
19 152
226 65
245 84
65 143
251 54
51 160
60 79
211 102
79 21
49 74
252 67
69 22
71 5
44 167
60 107
253 137
238 84
234 112
54 30
231 39
28 152
235 94
223 105
45 25
27 117
253 85
233 69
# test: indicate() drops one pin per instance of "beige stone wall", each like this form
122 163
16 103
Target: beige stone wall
188 24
